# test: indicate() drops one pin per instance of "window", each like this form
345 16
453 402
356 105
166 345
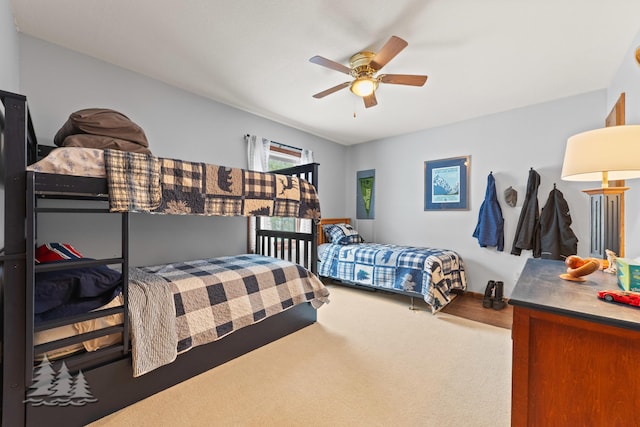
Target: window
280 156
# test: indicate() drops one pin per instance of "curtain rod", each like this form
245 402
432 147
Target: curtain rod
281 145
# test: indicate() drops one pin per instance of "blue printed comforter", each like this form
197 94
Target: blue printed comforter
433 273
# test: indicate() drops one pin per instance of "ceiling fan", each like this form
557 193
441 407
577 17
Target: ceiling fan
363 67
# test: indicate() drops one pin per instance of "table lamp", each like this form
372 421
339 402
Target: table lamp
607 154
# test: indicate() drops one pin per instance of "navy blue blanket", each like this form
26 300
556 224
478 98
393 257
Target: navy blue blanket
74 291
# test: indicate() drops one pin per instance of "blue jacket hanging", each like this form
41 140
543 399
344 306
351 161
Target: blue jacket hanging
490 228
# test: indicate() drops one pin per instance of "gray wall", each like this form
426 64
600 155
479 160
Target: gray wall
508 144
9 71
178 124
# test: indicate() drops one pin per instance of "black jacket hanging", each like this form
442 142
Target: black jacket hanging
490 228
557 240
528 229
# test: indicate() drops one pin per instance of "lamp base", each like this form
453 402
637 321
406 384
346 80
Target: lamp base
606 190
607 220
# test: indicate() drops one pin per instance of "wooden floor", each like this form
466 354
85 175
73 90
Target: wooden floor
469 306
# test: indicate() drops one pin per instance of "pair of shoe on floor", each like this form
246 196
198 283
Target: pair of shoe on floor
494 295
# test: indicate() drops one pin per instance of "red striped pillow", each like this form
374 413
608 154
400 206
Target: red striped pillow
50 252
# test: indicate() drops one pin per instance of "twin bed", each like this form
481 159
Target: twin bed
85 337
434 275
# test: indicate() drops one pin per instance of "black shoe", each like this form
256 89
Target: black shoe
498 300
487 300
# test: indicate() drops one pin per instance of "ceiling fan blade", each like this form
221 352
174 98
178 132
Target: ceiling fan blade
393 47
331 90
370 100
330 64
403 79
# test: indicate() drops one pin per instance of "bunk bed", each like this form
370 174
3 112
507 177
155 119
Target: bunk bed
108 379
432 274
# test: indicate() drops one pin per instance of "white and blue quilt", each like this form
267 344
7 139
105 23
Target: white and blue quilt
432 273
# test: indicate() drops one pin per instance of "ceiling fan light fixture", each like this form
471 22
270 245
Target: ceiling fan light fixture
364 86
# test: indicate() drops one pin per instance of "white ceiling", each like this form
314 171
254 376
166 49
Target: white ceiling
481 56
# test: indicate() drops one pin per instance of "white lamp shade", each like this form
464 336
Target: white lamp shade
615 150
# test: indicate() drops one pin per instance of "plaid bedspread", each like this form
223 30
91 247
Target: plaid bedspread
214 297
433 273
142 183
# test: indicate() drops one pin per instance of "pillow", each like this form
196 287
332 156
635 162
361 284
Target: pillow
99 141
343 234
100 323
72 161
51 252
101 121
325 231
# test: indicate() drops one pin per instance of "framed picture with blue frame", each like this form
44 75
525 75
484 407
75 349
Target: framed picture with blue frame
446 184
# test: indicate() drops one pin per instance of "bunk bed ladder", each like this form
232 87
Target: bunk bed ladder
83 360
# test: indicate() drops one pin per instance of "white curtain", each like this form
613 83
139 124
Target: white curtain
306 156
258 151
258 160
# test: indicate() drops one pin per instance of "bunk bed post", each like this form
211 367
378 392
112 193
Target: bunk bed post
31 207
314 228
13 286
125 280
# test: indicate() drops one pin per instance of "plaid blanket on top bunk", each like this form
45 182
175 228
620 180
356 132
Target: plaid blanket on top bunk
213 297
142 183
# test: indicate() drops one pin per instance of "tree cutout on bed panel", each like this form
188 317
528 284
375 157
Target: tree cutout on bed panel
58 388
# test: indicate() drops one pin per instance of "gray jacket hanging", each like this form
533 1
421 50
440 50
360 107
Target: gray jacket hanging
528 229
557 240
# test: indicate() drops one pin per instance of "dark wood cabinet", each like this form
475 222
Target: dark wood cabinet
575 357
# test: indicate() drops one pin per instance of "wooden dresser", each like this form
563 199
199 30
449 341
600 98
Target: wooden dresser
576 358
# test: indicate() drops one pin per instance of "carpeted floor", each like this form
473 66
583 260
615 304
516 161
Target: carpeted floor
369 361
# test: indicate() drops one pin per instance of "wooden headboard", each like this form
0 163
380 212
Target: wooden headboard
326 221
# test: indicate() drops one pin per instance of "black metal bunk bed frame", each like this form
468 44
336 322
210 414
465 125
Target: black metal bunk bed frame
107 371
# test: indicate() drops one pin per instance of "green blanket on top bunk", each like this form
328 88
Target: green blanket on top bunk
142 183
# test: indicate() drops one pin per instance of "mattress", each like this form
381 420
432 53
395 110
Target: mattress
142 183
